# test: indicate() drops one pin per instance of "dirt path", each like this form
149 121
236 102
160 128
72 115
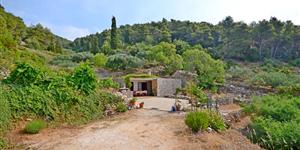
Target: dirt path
137 129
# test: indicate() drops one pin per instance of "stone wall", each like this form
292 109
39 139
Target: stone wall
167 87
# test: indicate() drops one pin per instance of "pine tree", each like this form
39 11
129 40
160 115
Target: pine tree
113 34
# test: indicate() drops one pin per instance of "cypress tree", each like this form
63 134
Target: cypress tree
113 34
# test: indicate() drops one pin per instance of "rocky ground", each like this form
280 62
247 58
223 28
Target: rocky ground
136 129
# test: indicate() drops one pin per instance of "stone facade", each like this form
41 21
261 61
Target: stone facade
167 87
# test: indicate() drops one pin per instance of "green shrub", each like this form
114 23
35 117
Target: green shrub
198 120
100 60
82 57
63 61
274 79
291 90
210 72
34 126
123 62
271 134
275 121
242 73
24 74
272 63
196 93
84 78
5 112
295 62
108 83
121 107
3 143
216 121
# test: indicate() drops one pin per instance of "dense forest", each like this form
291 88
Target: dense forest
273 39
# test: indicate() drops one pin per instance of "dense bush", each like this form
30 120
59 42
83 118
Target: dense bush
274 79
108 83
83 78
123 62
201 120
82 57
34 126
196 93
292 89
275 122
216 121
100 60
296 62
210 72
121 107
198 120
54 98
5 113
24 74
242 73
63 61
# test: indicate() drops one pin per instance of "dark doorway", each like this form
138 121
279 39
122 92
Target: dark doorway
131 88
144 86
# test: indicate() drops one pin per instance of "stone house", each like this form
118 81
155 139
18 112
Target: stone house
161 87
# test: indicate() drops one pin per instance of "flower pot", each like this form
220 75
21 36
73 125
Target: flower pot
142 105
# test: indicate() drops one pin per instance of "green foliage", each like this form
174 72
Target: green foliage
275 123
216 121
198 120
100 60
35 126
108 83
113 34
41 38
123 62
129 76
165 55
196 93
210 72
83 78
54 98
265 39
291 90
274 79
63 61
242 73
3 143
201 120
121 107
5 113
295 62
272 63
82 57
24 74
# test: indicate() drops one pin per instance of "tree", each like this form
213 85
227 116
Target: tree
210 72
113 34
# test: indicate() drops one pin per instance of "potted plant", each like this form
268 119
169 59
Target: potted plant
142 105
132 102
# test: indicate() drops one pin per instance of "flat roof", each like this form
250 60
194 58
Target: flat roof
142 79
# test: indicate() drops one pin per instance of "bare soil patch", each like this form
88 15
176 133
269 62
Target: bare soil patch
137 129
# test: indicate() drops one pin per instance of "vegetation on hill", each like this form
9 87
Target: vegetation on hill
257 41
14 33
275 123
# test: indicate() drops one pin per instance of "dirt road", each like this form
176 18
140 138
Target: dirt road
137 129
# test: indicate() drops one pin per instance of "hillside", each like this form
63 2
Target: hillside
266 39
